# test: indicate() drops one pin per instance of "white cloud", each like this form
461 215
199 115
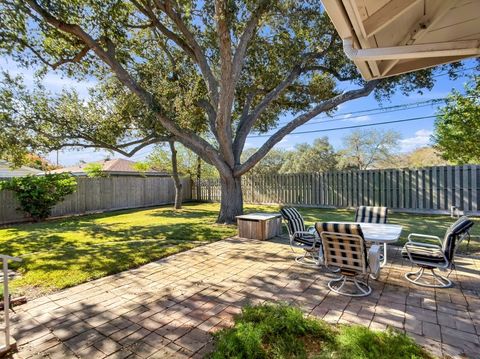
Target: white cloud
53 81
421 139
364 118
287 143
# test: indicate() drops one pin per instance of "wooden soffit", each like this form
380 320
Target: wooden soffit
390 37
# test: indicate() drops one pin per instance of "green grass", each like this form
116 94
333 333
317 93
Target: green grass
62 253
281 331
66 252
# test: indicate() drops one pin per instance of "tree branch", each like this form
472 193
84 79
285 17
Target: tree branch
120 147
227 85
186 136
300 120
246 123
246 37
77 58
211 114
147 11
199 55
331 71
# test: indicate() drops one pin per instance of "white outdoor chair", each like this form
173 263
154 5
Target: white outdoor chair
302 237
344 248
373 214
370 214
435 256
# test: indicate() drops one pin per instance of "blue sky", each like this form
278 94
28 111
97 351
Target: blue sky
413 134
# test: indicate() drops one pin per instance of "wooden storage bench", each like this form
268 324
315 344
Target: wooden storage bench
259 225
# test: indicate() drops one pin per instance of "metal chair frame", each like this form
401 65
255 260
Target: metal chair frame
349 273
312 255
432 279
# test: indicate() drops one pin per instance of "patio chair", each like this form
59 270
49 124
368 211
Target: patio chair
302 237
370 214
429 256
344 247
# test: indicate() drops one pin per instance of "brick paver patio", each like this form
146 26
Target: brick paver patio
169 308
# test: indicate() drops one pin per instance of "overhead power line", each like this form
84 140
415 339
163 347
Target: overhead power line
360 116
351 127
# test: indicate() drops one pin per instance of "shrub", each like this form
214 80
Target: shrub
38 194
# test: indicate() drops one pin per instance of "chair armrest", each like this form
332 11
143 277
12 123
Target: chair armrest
419 235
411 245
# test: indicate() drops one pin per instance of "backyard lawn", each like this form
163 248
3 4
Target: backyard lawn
62 253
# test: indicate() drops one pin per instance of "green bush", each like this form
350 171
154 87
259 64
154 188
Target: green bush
38 194
282 331
94 170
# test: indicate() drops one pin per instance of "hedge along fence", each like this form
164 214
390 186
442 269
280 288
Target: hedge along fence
430 190
103 194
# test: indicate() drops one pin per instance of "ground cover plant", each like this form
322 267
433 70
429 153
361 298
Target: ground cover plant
65 252
282 331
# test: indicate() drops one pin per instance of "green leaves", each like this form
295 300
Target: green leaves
38 194
187 162
457 127
369 148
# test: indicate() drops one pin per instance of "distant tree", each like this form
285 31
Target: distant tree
457 127
94 170
317 157
421 157
141 167
188 163
178 161
270 164
365 149
35 161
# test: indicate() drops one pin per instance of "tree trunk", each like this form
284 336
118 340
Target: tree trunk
176 177
199 174
231 204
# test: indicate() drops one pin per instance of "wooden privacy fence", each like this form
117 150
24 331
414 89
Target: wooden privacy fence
103 194
431 189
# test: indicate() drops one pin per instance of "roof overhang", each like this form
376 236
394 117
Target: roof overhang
391 37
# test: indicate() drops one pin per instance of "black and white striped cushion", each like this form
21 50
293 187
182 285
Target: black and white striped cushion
294 219
456 230
343 245
307 239
429 255
370 214
449 243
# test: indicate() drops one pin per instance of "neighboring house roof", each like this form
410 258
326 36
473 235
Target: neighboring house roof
116 166
6 171
390 37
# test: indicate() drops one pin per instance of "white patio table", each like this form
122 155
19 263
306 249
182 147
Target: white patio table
380 233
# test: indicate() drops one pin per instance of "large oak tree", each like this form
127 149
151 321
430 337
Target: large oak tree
242 64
